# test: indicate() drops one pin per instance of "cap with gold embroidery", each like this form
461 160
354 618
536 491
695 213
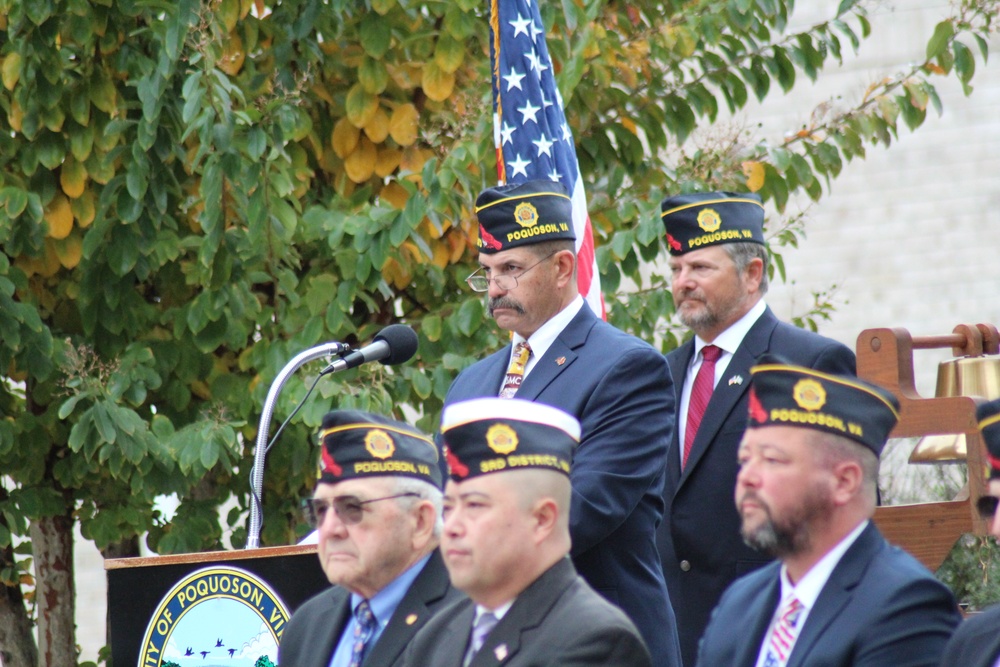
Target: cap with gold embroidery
523 213
988 416
488 435
704 219
785 395
362 444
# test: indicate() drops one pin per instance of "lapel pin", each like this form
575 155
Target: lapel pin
411 619
500 652
736 379
560 361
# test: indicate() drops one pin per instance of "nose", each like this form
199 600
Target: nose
495 291
452 523
332 525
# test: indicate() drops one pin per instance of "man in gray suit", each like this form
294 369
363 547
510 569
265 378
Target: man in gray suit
506 542
377 508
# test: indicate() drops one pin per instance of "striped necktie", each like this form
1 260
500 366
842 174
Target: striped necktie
515 374
783 635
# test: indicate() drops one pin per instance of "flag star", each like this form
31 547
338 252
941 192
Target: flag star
535 32
544 146
507 134
520 25
567 135
555 175
514 80
519 166
545 103
529 112
536 62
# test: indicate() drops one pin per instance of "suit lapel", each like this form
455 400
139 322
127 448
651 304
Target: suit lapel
560 355
678 361
727 394
340 612
413 611
759 616
528 612
837 592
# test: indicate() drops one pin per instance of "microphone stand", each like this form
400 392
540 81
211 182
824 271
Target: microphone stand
260 451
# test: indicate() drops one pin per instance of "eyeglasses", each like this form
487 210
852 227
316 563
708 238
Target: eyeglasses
987 506
505 281
349 509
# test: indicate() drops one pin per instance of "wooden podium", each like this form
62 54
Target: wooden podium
885 357
208 609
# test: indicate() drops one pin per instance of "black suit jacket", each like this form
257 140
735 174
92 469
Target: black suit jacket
699 540
620 389
976 643
879 608
557 620
315 628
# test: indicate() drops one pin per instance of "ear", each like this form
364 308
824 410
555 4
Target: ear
424 517
848 479
565 262
546 514
754 274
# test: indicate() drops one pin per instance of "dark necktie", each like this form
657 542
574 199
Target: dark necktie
515 374
364 628
701 392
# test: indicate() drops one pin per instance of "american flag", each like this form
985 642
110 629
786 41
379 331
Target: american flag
532 137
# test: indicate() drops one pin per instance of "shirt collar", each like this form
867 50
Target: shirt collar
811 585
542 339
731 338
499 612
383 604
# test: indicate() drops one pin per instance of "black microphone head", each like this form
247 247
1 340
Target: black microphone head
402 342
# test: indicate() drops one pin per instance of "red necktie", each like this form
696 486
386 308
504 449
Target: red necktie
701 392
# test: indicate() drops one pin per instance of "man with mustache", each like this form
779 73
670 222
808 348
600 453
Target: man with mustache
839 594
616 385
719 275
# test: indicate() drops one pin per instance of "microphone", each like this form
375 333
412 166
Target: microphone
393 345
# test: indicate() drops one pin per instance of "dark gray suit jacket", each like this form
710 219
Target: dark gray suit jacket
879 608
976 643
699 540
557 620
315 628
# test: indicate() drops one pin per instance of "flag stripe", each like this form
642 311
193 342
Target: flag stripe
532 137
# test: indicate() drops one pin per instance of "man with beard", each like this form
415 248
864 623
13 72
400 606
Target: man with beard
719 268
839 594
377 508
616 385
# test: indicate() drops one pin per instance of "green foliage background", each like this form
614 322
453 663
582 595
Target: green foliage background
192 193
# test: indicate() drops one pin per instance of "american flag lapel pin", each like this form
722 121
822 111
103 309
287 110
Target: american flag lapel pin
500 652
560 361
736 379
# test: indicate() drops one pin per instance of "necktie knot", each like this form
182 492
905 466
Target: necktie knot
711 353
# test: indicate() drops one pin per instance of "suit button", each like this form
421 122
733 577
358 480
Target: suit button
685 566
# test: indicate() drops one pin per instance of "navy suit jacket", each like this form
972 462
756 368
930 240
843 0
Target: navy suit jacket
879 608
699 540
976 643
314 629
620 389
557 620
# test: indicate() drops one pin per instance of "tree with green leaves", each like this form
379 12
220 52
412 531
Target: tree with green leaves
192 193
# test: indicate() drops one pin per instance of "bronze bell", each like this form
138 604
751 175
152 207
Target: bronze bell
962 376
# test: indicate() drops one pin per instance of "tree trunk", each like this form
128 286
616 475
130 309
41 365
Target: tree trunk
55 592
17 642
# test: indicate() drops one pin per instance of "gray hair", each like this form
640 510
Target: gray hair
836 449
425 491
743 253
